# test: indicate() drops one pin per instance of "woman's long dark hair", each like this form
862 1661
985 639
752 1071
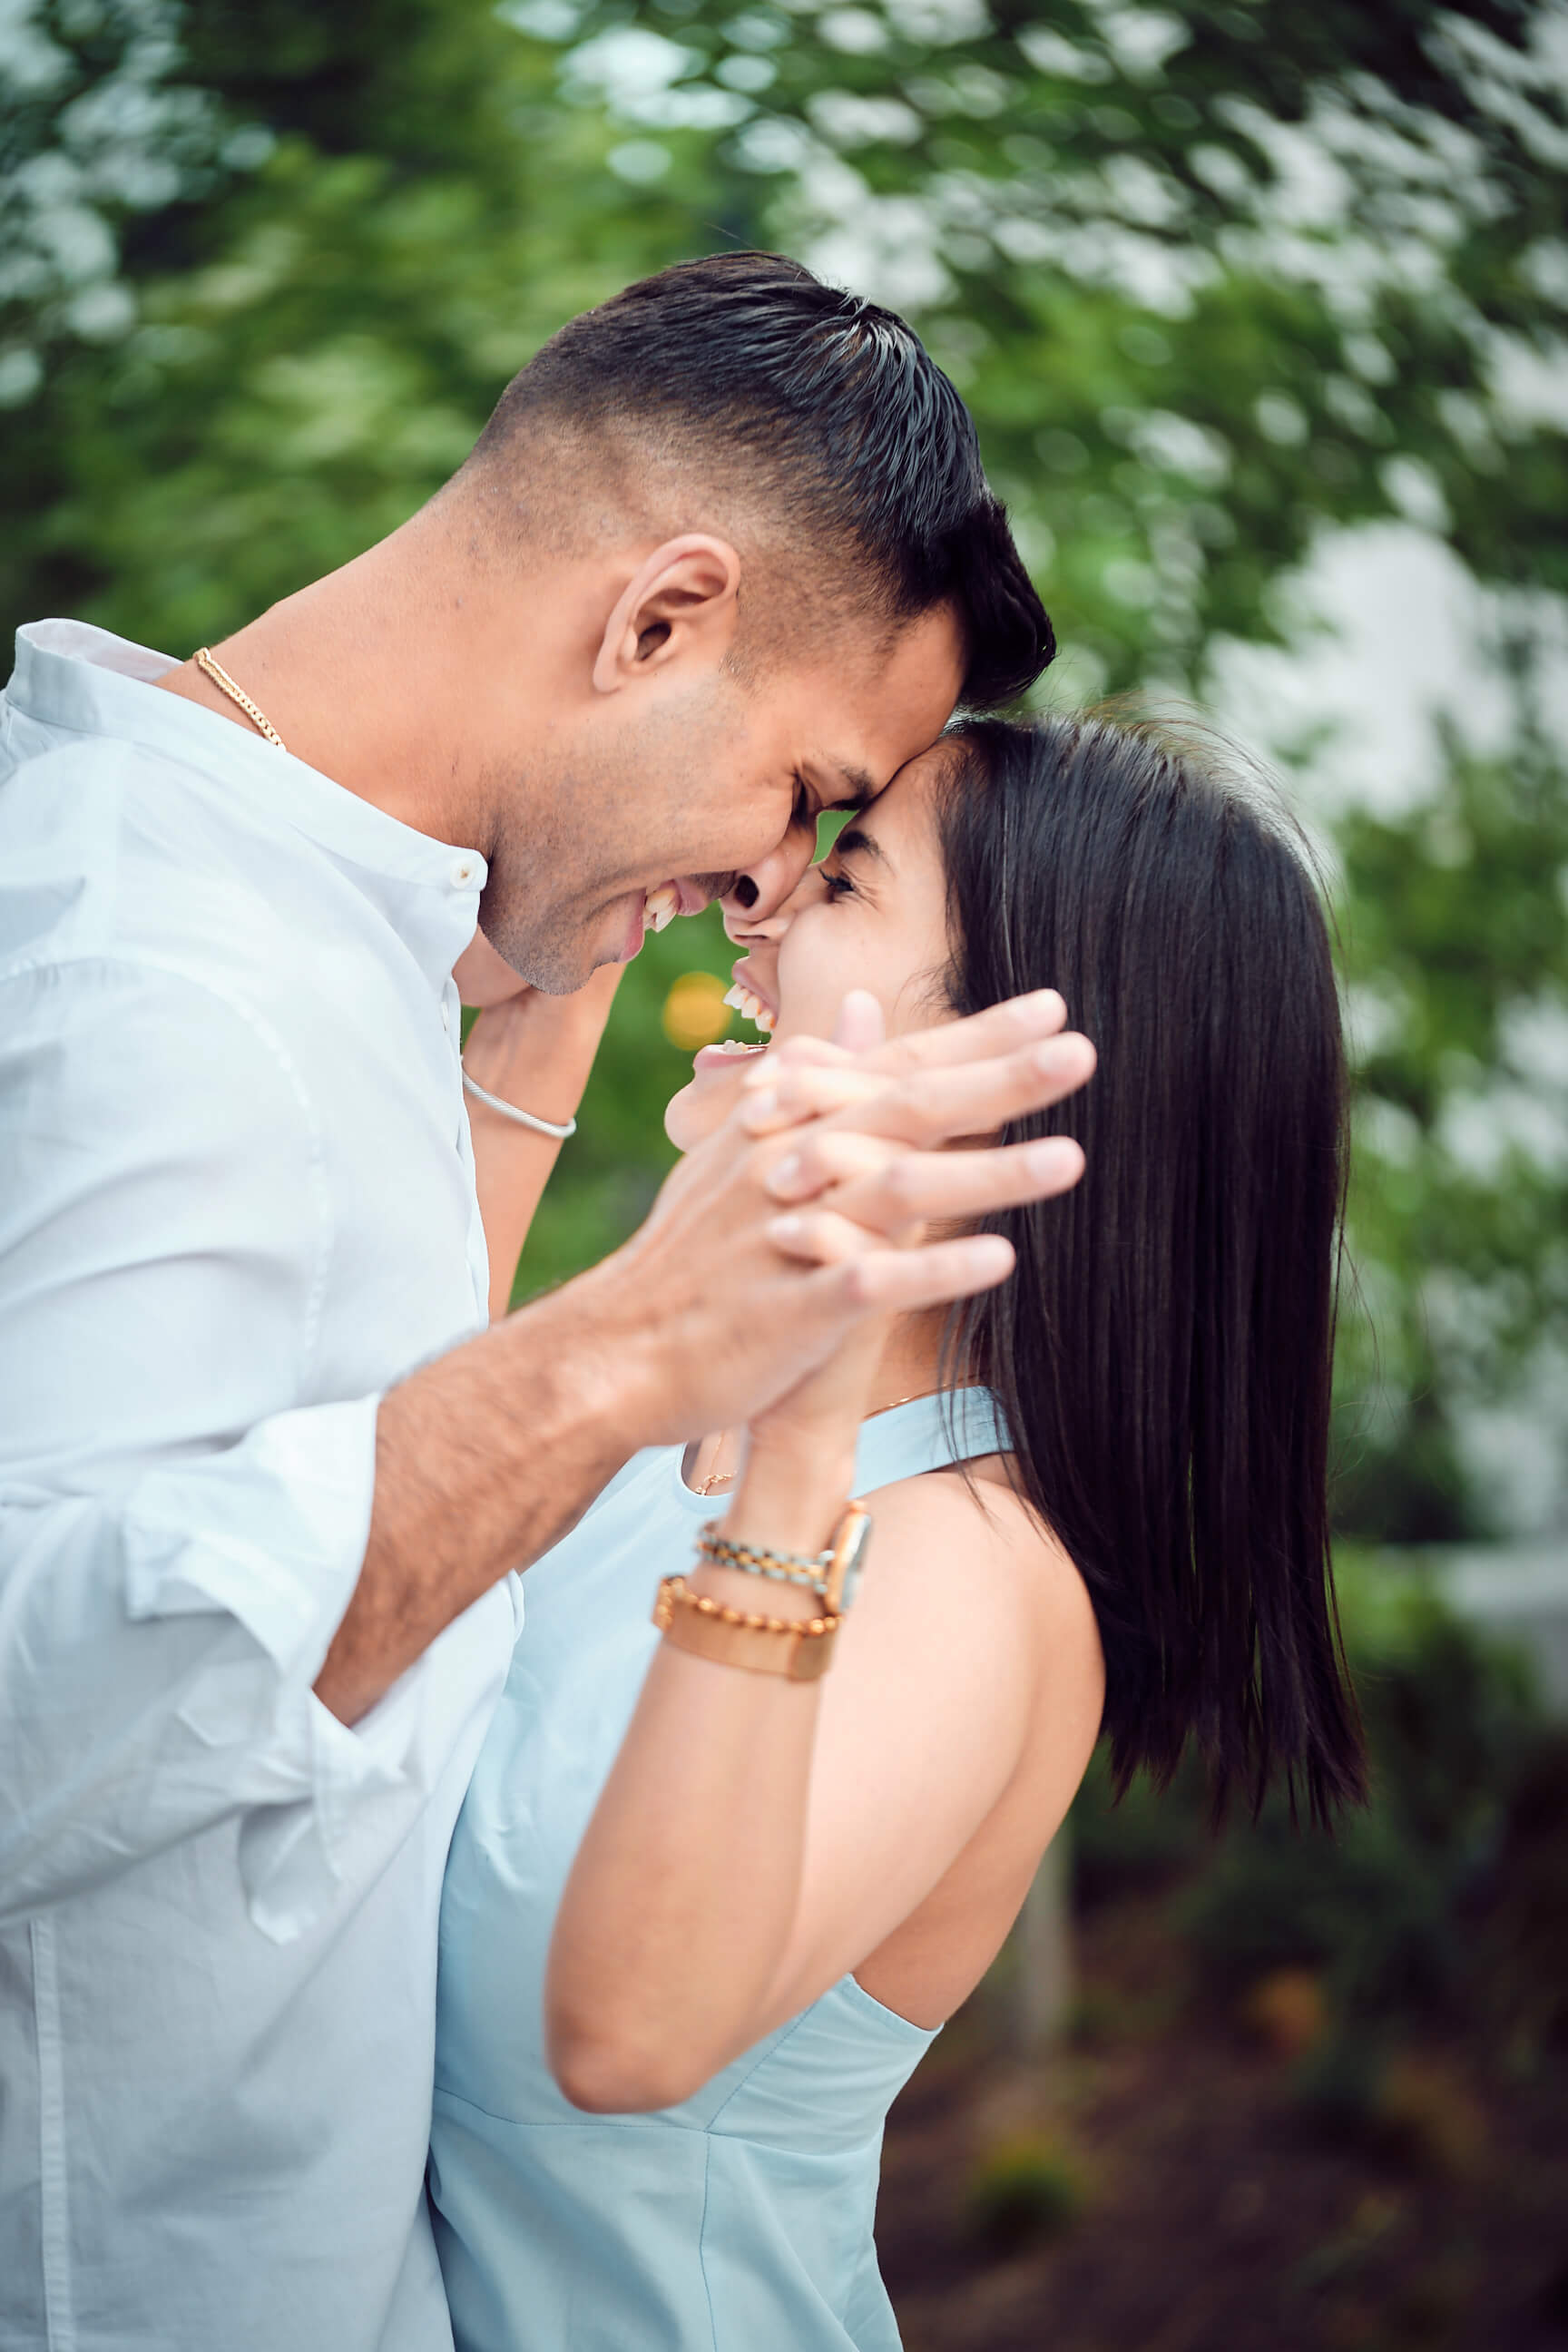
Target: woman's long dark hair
1163 1353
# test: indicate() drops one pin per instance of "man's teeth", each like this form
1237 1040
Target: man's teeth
660 907
751 1007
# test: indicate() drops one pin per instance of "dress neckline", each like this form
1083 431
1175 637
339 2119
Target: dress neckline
878 1424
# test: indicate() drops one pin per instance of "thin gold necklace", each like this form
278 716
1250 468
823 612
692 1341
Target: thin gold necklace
722 1477
210 666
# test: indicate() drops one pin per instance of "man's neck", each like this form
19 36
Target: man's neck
371 676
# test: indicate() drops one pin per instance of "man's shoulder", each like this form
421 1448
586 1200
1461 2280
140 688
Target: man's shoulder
115 853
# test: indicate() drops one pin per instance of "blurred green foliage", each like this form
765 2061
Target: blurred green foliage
1213 278
1456 926
1442 1898
1025 2188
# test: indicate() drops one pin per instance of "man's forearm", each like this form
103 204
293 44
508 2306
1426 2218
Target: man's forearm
484 1459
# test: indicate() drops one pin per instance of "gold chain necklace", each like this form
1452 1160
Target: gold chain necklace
722 1477
213 668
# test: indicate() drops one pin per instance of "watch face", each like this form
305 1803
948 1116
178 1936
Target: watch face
849 1560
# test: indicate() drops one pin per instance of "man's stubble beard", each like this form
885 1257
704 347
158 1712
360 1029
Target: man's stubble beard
555 939
542 933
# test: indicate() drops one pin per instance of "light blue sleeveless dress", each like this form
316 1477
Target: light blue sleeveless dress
740 2221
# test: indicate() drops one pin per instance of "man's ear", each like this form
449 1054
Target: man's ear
682 596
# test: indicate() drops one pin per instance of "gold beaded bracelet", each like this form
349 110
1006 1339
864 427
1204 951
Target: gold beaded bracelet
798 1648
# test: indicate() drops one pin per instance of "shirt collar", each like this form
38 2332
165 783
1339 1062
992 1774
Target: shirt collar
87 681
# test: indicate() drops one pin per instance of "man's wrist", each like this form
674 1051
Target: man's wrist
608 1355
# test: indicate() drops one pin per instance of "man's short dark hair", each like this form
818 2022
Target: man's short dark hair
839 418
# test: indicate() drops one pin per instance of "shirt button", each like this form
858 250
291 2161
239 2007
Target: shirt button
463 872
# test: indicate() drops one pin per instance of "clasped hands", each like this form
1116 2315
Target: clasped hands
867 1119
824 1203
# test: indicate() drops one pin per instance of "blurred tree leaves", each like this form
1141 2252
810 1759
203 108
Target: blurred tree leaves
308 339
1457 947
1214 277
1203 272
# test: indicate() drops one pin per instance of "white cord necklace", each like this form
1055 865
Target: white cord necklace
511 1110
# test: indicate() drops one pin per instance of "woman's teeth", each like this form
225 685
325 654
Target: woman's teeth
751 1007
660 907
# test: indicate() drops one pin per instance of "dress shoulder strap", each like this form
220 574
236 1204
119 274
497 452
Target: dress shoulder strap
928 1434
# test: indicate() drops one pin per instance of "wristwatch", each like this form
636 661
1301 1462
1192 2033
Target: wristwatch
847 1547
833 1574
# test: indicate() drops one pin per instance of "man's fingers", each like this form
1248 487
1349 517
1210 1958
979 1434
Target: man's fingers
899 1282
924 1106
935 1106
820 1236
978 1037
889 1188
1001 1029
931 1107
922 1188
806 1090
828 1155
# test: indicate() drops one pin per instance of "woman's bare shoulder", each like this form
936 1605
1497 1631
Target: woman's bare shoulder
968 1528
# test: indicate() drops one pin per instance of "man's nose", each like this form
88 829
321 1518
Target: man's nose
762 889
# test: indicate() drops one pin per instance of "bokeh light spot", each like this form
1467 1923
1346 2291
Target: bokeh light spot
695 1012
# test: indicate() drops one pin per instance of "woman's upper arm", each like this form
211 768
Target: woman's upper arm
927 1714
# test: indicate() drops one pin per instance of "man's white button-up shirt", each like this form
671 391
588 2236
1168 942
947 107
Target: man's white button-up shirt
237 1203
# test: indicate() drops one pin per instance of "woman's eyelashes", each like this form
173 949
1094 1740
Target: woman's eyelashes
838 885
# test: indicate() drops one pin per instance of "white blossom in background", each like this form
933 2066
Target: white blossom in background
131 142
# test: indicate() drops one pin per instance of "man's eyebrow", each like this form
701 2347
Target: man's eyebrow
858 788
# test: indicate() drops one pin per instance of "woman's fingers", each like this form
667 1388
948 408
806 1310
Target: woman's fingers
860 1027
924 1108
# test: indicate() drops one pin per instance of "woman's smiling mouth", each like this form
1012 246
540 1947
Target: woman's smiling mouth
746 1000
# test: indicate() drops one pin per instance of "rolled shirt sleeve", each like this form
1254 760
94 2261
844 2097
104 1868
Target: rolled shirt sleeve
182 1524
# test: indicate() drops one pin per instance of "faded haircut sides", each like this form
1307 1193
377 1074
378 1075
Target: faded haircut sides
833 414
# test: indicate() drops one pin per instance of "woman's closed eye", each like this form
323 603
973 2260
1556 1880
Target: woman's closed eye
838 885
